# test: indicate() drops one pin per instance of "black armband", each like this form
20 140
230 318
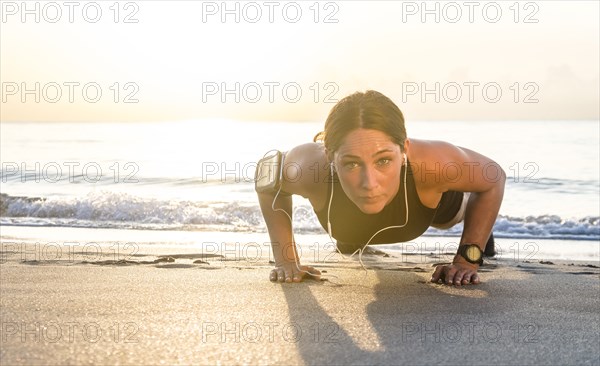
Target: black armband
269 173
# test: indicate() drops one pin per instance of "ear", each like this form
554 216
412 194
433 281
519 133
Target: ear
406 146
329 156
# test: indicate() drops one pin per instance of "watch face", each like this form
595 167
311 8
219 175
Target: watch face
473 253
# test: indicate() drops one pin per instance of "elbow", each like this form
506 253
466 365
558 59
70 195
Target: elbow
495 175
497 180
502 180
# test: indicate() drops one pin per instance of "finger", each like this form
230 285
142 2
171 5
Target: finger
472 278
458 277
435 277
310 272
467 278
443 276
451 271
297 276
273 275
314 274
288 276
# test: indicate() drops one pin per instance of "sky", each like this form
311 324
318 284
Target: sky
292 61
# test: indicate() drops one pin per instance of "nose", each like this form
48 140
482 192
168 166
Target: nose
368 179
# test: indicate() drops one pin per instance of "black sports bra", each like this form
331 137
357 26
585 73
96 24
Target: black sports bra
350 225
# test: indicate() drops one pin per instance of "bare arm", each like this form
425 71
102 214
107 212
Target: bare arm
482 211
485 179
274 208
279 226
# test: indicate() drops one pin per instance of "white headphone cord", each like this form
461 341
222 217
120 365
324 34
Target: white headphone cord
296 257
329 228
361 250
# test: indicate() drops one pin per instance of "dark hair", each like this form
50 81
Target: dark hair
370 110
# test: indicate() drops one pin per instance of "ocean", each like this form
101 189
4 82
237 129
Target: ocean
197 176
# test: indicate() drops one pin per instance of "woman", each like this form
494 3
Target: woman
369 184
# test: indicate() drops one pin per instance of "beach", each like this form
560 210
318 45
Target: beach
92 300
127 255
131 140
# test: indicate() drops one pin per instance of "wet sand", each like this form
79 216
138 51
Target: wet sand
166 305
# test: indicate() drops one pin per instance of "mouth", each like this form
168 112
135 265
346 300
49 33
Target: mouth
369 198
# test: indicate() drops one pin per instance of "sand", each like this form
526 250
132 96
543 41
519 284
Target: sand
159 307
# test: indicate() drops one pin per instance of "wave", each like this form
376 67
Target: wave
122 210
538 227
553 185
110 209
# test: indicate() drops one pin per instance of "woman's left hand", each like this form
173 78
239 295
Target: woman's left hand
456 274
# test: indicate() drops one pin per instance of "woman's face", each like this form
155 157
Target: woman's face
368 164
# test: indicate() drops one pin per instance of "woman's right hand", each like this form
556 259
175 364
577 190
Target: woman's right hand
292 272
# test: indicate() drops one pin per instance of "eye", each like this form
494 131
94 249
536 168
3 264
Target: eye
350 165
384 161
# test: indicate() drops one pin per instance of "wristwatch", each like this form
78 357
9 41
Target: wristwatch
471 253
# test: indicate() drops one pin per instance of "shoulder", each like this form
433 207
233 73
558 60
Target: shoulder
434 151
304 169
442 166
306 153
